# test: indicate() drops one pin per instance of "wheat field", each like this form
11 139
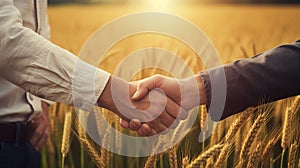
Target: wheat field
264 136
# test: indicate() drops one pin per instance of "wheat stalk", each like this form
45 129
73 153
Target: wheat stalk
209 163
105 154
150 162
292 155
236 125
185 162
65 145
202 116
172 158
118 142
176 133
251 136
223 155
296 104
207 154
88 146
268 148
288 121
286 128
254 160
52 118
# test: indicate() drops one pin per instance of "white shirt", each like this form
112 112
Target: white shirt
30 62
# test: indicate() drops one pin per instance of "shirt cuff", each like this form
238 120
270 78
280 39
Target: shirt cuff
88 84
35 103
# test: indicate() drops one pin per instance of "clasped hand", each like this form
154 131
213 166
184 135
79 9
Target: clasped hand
152 105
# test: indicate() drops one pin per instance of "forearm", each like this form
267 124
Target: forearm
267 77
43 68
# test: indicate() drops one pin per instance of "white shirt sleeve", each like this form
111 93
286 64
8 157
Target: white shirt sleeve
42 68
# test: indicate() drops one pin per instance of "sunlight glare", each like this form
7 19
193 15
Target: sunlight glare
161 5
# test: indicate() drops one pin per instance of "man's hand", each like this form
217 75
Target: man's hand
41 128
188 93
157 110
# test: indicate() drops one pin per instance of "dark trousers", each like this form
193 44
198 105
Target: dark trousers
13 155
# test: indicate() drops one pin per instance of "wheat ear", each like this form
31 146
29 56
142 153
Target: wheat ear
173 158
292 155
237 124
268 148
251 136
296 104
150 162
209 163
105 154
207 154
88 146
185 162
286 128
254 160
202 116
65 144
223 155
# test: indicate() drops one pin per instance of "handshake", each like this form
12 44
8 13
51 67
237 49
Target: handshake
152 105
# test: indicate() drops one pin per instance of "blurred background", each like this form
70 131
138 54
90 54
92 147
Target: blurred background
191 1
267 136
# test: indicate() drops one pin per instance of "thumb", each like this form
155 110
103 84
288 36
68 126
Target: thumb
140 93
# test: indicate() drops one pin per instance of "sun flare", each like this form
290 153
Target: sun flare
161 5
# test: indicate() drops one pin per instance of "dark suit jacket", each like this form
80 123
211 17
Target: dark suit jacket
269 76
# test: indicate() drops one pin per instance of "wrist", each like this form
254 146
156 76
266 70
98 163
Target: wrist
119 86
105 99
192 92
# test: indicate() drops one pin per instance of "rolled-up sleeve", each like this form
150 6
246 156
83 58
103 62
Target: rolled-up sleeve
267 77
42 68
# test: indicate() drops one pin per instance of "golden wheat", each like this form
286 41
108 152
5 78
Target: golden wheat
223 155
150 162
65 145
251 136
207 154
105 154
292 155
286 128
237 124
209 163
296 104
173 158
91 149
185 162
255 157
66 30
202 116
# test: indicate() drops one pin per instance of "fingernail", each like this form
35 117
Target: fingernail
135 95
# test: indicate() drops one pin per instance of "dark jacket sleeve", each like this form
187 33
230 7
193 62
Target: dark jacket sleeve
267 77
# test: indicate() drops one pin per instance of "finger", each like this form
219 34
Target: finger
38 133
146 85
174 124
140 93
159 127
134 124
38 146
153 132
124 123
175 110
144 130
166 119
